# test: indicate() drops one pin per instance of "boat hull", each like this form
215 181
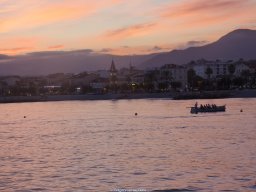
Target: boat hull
195 110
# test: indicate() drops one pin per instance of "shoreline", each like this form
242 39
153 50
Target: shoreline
86 97
246 93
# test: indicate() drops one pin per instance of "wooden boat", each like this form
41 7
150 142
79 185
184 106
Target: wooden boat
208 109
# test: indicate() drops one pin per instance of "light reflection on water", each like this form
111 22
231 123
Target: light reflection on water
102 146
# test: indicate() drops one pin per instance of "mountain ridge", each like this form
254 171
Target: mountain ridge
239 43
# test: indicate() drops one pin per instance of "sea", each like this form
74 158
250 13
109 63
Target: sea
104 146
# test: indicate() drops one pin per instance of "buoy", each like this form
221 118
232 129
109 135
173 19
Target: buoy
136 114
24 116
241 110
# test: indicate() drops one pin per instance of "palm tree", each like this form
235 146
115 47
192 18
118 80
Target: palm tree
150 79
165 77
231 69
208 72
245 74
191 74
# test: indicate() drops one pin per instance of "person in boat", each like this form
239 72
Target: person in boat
196 105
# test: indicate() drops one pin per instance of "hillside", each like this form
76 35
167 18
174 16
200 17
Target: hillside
237 44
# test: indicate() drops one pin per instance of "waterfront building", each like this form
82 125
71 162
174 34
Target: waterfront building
240 67
170 73
219 68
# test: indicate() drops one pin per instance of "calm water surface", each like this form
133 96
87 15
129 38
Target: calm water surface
103 146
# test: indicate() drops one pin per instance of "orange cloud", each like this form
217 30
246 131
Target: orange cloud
188 8
19 45
134 30
16 50
201 10
176 22
56 47
200 15
40 17
49 13
127 50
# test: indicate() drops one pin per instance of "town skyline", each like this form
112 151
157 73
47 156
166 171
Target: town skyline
118 27
197 75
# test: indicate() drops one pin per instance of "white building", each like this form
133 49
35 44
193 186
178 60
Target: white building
240 67
219 68
172 72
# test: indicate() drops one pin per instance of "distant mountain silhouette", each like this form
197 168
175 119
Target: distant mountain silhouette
3 56
237 44
43 63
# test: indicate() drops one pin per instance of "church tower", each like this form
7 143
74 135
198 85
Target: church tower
113 75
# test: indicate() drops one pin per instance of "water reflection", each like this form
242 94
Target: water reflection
102 145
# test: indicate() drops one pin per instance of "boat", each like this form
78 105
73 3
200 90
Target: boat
208 109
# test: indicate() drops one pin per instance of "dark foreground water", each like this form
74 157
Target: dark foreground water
103 146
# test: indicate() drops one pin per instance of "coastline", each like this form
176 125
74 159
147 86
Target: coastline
246 93
89 97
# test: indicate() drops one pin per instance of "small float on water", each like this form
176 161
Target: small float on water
207 108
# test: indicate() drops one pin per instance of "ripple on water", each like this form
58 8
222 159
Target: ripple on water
176 190
139 173
93 146
166 178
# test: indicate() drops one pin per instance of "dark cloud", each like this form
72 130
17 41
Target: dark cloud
105 50
195 43
58 53
156 48
83 51
56 47
46 53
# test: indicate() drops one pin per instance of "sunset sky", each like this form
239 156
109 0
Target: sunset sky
118 26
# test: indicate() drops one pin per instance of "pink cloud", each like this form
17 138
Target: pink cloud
40 14
133 30
131 50
198 16
208 12
56 47
189 8
175 22
16 50
19 45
